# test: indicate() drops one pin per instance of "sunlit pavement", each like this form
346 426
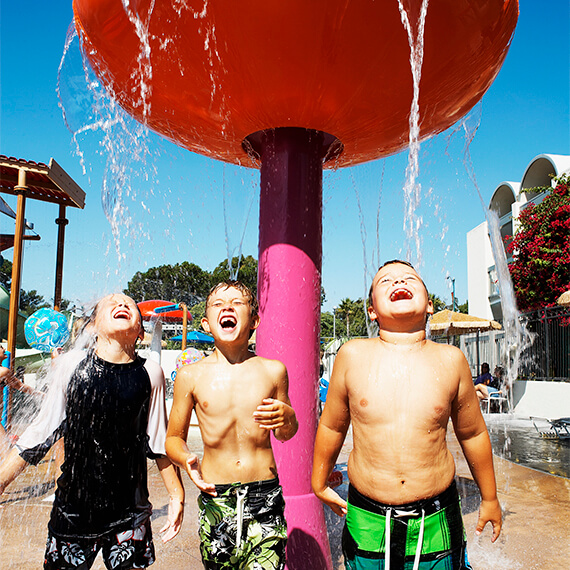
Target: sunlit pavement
536 528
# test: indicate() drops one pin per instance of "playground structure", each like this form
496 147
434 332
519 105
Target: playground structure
290 88
48 183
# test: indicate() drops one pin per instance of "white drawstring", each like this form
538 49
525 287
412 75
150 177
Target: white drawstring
387 556
241 494
420 542
388 531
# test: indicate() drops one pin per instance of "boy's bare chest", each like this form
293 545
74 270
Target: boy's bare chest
395 389
225 394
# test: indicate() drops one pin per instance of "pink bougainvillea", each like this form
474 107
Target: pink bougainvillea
540 269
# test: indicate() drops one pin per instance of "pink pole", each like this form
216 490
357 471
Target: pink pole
289 289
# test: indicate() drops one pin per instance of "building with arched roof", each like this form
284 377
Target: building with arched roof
507 202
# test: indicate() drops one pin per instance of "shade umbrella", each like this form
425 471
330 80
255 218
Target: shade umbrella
451 323
195 336
564 299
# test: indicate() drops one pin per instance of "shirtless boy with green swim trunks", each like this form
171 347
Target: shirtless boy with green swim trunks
399 391
239 399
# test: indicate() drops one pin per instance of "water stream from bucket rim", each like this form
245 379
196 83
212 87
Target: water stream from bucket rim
412 189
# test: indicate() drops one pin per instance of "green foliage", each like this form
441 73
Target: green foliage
184 282
6 273
540 270
31 301
197 311
327 325
247 272
351 318
464 307
438 304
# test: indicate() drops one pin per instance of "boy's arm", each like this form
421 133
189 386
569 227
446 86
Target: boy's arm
473 437
177 433
11 467
331 432
276 414
171 476
15 383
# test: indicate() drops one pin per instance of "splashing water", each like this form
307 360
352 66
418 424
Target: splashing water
517 337
237 250
412 189
123 143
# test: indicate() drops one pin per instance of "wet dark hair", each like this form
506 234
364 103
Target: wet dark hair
242 288
391 262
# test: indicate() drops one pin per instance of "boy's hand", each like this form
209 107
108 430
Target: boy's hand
490 511
193 469
273 414
174 520
333 500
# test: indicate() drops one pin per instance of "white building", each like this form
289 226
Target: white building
508 200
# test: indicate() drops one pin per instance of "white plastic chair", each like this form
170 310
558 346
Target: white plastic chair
495 397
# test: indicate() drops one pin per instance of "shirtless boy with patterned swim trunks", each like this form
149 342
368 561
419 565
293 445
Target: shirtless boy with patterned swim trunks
239 398
399 391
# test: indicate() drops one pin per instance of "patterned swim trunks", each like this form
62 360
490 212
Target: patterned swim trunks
426 535
243 527
121 551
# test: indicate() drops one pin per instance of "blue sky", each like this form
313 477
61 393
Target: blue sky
180 206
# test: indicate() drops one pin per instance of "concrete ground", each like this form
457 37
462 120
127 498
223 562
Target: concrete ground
536 531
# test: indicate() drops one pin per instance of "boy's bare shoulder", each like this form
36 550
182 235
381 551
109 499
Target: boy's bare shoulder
447 350
272 366
188 372
449 356
357 346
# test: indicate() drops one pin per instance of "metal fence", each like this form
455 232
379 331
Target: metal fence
547 358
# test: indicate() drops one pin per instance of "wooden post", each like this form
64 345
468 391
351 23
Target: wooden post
20 190
184 324
61 221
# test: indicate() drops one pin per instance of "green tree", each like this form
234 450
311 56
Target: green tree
31 301
464 307
247 272
184 282
351 318
540 269
327 325
438 303
197 311
6 273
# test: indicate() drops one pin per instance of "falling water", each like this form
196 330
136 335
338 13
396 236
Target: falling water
128 149
229 214
517 338
412 189
123 143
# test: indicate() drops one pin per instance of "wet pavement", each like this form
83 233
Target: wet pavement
536 527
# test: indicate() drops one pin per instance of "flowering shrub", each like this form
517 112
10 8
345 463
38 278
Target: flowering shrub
541 249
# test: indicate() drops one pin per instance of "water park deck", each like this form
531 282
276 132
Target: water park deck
535 528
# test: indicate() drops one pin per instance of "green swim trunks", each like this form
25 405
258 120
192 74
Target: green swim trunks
243 527
425 535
